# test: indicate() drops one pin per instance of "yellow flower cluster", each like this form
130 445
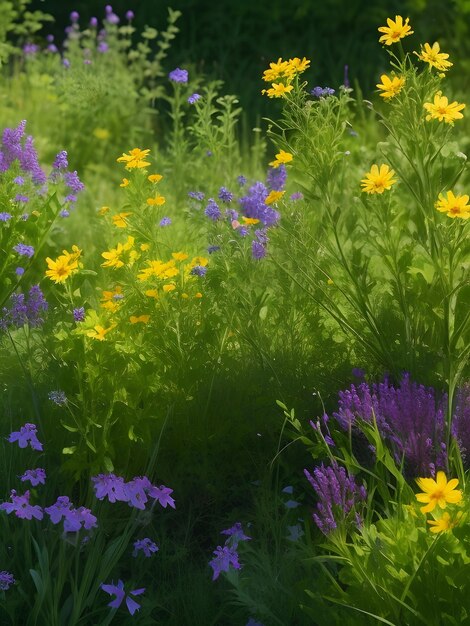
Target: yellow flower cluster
439 492
64 266
284 71
440 109
378 180
135 159
454 206
122 254
168 270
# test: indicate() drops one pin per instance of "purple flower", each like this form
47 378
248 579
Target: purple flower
110 486
61 161
346 76
118 591
322 92
277 177
241 180
79 314
224 558
212 210
243 231
19 180
162 495
258 251
30 49
225 195
235 535
21 198
196 195
136 492
19 271
6 580
4 217
193 98
460 427
212 249
178 76
165 221
147 546
66 63
74 17
24 250
129 15
21 507
93 22
199 270
297 195
29 162
26 435
73 182
35 476
253 205
103 47
74 519
58 397
59 509
231 214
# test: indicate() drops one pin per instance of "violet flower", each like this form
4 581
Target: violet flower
21 507
26 435
119 592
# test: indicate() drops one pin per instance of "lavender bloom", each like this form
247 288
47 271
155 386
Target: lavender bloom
4 217
277 177
196 195
118 591
21 198
19 271
52 48
66 63
225 195
76 519
73 182
147 546
212 249
110 486
243 231
178 76
337 495
35 476
241 180
346 77
21 507
79 314
30 49
103 47
162 495
36 305
199 270
58 397
6 580
61 161
357 372
258 251
136 492
193 98
224 557
19 180
409 418
58 510
24 250
74 17
165 221
460 427
253 205
129 15
231 214
93 22
235 534
29 162
322 92
212 210
26 435
64 213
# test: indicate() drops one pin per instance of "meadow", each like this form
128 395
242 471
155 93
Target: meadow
234 360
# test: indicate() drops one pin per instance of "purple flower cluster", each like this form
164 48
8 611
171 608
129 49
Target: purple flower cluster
337 494
227 555
6 580
136 492
277 177
253 205
27 435
73 182
199 270
193 98
21 507
225 195
34 476
147 546
61 161
409 418
178 75
79 314
322 92
74 519
12 149
118 591
196 195
212 210
24 250
460 426
165 221
20 311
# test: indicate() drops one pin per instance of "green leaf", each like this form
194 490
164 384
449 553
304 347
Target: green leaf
70 450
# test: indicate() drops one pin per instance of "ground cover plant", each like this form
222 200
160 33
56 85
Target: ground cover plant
234 364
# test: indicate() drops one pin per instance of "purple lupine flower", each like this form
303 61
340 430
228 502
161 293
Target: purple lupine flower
61 161
231 214
79 314
196 195
194 97
21 198
24 250
93 22
162 495
178 75
225 195
212 249
277 177
337 494
243 231
109 486
165 221
241 180
346 77
5 217
11 145
253 205
26 435
18 180
119 592
258 251
73 182
52 48
235 534
262 236
21 507
6 580
66 63
224 558
199 270
36 305
212 210
147 546
129 15
29 162
35 476
58 397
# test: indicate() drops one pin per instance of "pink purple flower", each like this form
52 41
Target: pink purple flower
21 507
79 314
119 592
6 580
178 75
24 250
212 210
193 98
224 558
27 435
146 545
34 476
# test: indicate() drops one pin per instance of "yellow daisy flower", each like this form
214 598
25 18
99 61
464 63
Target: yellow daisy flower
141 319
296 66
120 220
278 90
98 332
135 158
249 221
157 201
275 71
395 30
281 157
390 87
434 56
274 196
116 257
444 523
125 182
60 269
169 287
454 206
438 491
378 180
441 110
155 178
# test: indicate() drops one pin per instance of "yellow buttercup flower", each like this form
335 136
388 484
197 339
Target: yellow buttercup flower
281 157
274 196
296 66
120 220
199 260
169 287
179 256
125 182
151 293
198 295
98 332
395 30
60 269
434 56
157 201
390 87
155 178
144 247
111 300
438 491
444 523
275 71
117 257
278 90
158 269
141 319
135 159
454 206
441 110
103 210
378 180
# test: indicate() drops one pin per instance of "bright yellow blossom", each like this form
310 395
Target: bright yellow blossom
296 66
441 110
444 523
111 300
101 133
151 293
120 220
125 182
438 491
98 332
434 57
395 30
135 159
155 178
169 287
275 71
114 257
378 180
198 295
158 269
199 260
274 196
103 210
454 206
142 319
179 256
278 90
249 221
157 201
60 269
390 87
281 157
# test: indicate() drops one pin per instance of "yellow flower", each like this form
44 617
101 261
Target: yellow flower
278 90
169 287
444 523
155 178
198 295
114 257
395 30
159 269
111 299
103 210
135 158
249 221
101 133
454 206
391 87
274 196
74 255
184 296
377 181
98 332
151 293
199 260
275 71
120 220
330 281
179 256
60 269
125 182
157 201
281 157
438 492
296 66
434 57
441 110
141 319
144 247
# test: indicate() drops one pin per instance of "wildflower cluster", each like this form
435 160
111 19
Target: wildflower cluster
439 492
227 555
284 72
